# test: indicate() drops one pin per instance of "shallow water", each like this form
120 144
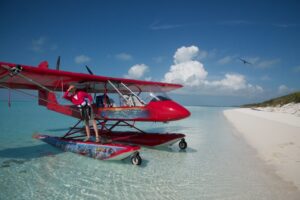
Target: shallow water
218 164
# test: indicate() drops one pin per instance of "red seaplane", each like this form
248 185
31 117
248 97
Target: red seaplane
138 101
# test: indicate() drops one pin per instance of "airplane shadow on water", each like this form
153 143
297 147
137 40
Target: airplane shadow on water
173 149
20 155
126 161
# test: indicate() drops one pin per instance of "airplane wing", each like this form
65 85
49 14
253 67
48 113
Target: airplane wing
42 78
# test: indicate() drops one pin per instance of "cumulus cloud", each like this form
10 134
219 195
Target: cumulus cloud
184 54
124 56
137 71
82 59
225 60
203 54
148 78
190 72
231 81
186 70
233 84
283 89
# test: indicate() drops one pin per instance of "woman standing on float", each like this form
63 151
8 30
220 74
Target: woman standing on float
83 100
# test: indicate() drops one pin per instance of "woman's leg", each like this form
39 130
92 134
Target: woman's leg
87 129
96 130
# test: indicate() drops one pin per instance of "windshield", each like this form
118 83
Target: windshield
151 96
159 96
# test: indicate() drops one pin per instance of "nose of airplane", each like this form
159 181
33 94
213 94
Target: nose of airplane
178 111
167 111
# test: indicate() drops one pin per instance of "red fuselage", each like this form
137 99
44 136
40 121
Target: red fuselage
158 111
166 111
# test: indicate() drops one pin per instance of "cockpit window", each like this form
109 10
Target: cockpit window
159 97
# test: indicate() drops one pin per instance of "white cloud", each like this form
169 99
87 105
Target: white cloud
137 71
82 59
148 78
37 45
124 56
212 53
157 26
267 63
231 81
253 60
184 54
186 70
191 73
232 84
286 25
158 59
296 69
236 22
202 54
42 44
53 47
225 60
283 89
262 63
265 78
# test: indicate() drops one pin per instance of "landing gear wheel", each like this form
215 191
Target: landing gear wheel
182 144
136 159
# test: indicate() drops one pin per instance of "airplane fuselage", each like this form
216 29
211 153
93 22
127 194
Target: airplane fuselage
159 111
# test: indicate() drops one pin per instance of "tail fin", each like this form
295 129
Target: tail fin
47 98
43 65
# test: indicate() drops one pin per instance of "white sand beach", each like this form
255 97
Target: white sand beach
275 135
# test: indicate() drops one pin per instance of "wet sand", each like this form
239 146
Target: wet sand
275 136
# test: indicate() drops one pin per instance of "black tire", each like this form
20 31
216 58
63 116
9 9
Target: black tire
182 144
136 159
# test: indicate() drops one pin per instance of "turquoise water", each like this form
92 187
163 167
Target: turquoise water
218 164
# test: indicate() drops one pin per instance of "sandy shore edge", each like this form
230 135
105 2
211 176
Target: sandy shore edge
275 136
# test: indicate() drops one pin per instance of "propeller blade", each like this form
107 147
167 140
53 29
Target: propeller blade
58 63
89 70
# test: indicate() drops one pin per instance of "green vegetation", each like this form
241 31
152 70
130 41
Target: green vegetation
291 98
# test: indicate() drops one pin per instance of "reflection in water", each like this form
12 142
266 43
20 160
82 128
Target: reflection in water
29 152
216 165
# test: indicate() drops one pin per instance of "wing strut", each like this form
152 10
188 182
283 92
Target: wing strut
118 91
16 71
133 93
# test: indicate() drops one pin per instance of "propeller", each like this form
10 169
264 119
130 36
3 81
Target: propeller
89 70
58 63
91 73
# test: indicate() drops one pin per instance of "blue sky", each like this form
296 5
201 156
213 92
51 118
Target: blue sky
195 43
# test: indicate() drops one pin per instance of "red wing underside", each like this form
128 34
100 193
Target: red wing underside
57 80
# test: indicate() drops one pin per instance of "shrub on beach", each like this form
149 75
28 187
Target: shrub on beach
280 101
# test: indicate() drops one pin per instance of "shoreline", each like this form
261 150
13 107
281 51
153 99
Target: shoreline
275 136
